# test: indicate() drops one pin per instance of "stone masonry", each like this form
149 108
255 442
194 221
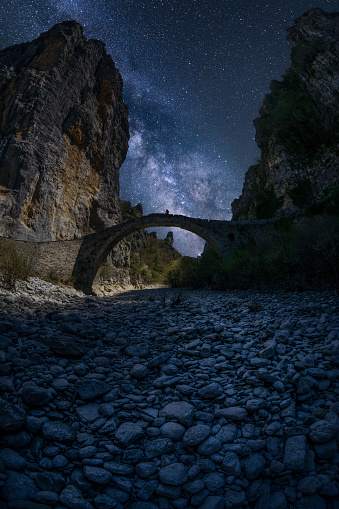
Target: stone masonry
80 259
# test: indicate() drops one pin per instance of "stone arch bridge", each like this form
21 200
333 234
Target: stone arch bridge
81 259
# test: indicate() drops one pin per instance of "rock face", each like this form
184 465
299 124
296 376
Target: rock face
298 127
64 135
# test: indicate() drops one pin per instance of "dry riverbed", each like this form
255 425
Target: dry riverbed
165 399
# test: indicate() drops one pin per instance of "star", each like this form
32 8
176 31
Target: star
195 74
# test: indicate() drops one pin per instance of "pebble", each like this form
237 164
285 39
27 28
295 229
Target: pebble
12 417
128 433
210 391
295 453
97 475
253 466
33 395
233 413
18 486
72 498
139 371
172 430
180 410
92 389
196 434
131 402
12 460
231 464
58 431
174 474
322 431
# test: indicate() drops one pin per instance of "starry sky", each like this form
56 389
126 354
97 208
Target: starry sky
195 73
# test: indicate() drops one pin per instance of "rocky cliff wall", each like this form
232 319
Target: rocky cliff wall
63 136
298 127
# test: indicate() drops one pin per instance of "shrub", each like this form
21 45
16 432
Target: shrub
53 276
328 205
266 203
302 193
284 225
151 262
304 53
15 264
184 272
105 272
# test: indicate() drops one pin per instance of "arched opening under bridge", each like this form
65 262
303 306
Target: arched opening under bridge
97 247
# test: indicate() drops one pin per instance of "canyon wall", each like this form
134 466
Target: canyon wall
298 129
64 134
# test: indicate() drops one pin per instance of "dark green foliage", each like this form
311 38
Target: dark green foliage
184 272
302 193
152 261
329 205
266 203
296 259
284 225
53 276
194 272
128 212
304 53
292 117
15 264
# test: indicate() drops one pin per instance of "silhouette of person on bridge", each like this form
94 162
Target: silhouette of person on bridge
167 211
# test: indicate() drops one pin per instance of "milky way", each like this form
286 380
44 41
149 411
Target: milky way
195 73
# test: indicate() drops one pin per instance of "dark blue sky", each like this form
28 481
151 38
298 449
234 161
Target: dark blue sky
195 73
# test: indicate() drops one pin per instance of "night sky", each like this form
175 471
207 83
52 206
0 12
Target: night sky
195 73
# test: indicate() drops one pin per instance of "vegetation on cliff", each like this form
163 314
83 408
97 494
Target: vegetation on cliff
294 119
151 261
298 127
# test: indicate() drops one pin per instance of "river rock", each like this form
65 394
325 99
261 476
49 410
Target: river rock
196 434
12 417
295 453
210 391
66 345
181 411
128 433
92 389
18 486
231 464
174 474
58 431
322 431
72 498
33 395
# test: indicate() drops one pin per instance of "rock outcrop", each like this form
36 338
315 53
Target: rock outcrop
64 135
298 128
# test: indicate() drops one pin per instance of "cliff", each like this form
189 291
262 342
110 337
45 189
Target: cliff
298 128
63 136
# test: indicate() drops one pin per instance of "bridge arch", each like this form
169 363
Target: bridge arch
96 247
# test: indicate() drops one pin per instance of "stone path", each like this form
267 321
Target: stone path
139 401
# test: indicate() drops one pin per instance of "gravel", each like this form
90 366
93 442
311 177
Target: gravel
229 399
